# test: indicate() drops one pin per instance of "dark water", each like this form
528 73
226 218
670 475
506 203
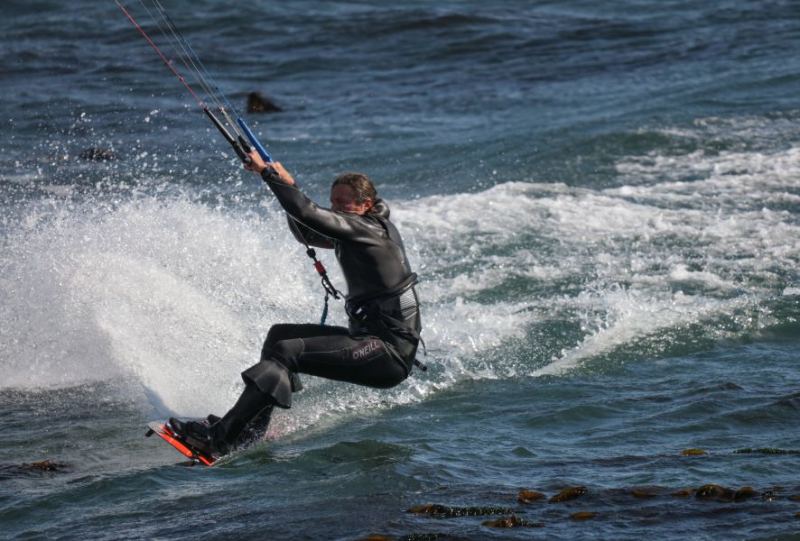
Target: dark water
601 199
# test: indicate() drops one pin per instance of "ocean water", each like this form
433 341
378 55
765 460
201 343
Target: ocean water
601 199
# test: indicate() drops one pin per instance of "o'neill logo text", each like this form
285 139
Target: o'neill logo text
365 350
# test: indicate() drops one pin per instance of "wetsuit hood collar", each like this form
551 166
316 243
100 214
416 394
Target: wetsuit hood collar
380 209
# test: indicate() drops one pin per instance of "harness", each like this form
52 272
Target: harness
369 308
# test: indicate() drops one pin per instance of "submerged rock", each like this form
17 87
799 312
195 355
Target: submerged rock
529 496
428 537
412 537
43 465
644 492
511 522
432 537
583 515
693 452
724 494
446 511
567 494
714 492
744 493
8 471
766 451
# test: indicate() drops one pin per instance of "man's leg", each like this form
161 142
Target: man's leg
328 352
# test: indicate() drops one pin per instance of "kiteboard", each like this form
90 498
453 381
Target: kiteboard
163 430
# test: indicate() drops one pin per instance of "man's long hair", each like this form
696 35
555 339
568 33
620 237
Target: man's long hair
362 186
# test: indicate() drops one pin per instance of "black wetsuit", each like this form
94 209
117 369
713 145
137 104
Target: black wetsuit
379 347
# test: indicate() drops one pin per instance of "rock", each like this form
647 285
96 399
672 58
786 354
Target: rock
643 492
714 492
567 494
445 511
43 465
693 452
744 493
511 522
258 103
583 515
529 496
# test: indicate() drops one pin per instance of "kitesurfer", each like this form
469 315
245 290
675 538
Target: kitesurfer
377 349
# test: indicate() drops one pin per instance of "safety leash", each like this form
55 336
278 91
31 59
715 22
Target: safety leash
330 291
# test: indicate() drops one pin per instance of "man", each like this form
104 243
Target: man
379 347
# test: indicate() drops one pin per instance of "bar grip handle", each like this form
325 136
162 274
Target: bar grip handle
255 142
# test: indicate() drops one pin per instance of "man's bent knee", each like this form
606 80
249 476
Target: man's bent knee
276 334
273 379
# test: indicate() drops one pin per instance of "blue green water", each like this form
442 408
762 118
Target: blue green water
601 200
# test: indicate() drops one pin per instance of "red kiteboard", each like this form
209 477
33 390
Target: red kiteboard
166 433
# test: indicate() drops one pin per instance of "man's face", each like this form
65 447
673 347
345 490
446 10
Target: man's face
343 199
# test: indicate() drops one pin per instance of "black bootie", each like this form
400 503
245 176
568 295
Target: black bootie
196 434
253 405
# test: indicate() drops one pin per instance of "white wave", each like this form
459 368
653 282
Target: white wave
178 296
696 222
175 293
631 315
680 274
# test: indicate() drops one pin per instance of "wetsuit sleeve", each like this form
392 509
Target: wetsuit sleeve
325 222
305 235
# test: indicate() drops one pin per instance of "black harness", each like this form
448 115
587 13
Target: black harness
371 309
